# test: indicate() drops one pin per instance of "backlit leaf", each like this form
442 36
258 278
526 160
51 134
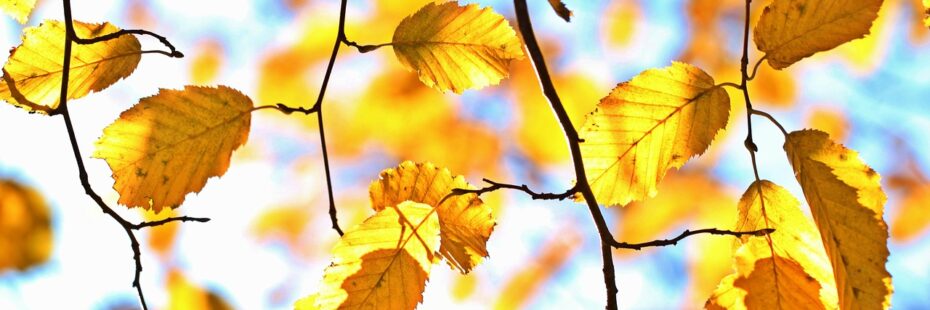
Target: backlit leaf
656 121
19 9
795 272
187 295
465 221
927 13
454 47
32 74
25 227
382 263
560 9
847 203
790 30
168 145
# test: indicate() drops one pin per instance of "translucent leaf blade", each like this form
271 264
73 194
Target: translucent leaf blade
654 122
465 221
382 263
847 203
788 269
32 78
790 30
168 145
18 9
454 47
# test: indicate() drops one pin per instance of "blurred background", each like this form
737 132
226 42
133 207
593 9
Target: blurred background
269 238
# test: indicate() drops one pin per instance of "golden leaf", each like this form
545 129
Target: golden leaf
19 9
656 121
927 13
168 145
847 203
796 272
187 295
32 74
25 227
382 263
206 65
454 47
790 30
560 9
465 221
913 218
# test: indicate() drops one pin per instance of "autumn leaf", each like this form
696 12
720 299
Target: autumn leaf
927 13
560 9
168 145
32 74
187 295
25 227
790 30
847 203
788 269
656 121
454 47
526 282
18 9
382 263
465 222
912 219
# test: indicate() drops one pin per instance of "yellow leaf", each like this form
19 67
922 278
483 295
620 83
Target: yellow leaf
526 283
763 281
913 218
32 74
790 30
207 63
168 145
454 47
465 221
795 248
927 13
656 121
382 263
161 238
19 9
25 227
846 201
831 120
284 224
187 295
561 10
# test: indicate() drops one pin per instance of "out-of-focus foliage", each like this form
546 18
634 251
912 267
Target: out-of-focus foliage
656 121
168 145
32 75
25 227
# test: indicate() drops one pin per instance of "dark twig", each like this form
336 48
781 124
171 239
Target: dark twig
539 63
772 119
82 171
286 109
107 37
526 189
364 48
688 233
318 108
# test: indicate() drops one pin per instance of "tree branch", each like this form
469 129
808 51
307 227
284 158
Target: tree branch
497 186
688 233
539 64
107 37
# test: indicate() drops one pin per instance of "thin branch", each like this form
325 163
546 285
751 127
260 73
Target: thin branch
318 108
772 119
539 63
756 67
364 48
688 233
526 189
62 109
111 36
286 109
730 84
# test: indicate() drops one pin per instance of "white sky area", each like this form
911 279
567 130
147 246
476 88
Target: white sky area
92 267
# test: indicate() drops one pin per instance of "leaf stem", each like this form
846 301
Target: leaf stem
772 119
111 36
539 63
526 189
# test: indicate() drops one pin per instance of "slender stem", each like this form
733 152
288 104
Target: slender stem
772 119
687 233
318 107
756 67
539 63
526 189
110 36
71 37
